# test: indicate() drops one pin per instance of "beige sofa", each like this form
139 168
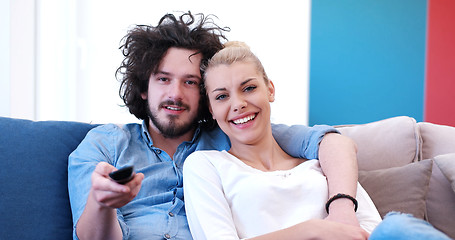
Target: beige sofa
408 167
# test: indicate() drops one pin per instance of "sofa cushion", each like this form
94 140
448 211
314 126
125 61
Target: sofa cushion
34 201
437 139
401 189
441 197
387 143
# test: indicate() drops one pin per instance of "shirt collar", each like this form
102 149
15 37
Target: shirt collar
145 133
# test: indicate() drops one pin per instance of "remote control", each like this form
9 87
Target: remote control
122 175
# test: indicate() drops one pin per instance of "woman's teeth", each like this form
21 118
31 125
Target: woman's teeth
244 120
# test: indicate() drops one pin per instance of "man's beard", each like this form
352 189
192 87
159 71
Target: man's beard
169 128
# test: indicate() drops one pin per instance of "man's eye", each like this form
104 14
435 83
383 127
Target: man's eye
162 79
189 82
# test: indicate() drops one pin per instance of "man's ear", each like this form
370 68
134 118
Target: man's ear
144 95
271 88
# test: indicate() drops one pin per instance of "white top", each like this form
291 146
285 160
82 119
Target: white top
227 199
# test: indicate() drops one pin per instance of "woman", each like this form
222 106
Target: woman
256 189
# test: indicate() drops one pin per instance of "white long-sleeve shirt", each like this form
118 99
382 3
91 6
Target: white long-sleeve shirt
227 199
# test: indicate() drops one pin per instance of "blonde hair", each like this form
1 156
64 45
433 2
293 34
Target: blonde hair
236 51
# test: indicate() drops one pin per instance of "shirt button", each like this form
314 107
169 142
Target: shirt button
158 151
171 214
167 236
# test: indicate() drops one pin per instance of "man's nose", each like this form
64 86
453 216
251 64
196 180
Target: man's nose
176 91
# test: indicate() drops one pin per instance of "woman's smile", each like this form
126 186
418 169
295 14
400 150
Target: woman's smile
243 120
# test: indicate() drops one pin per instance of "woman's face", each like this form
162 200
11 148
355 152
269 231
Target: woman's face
240 100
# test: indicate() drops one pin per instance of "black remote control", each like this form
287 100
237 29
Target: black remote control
122 175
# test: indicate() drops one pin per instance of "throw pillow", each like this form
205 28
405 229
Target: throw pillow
441 197
446 163
402 189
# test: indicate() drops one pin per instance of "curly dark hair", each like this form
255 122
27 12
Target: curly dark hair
144 47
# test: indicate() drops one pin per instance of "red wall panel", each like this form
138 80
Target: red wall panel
440 66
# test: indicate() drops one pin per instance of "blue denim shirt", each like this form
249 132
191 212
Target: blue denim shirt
158 211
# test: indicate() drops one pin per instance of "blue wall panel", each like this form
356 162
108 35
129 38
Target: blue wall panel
367 60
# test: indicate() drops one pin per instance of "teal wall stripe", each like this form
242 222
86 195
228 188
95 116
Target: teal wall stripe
367 60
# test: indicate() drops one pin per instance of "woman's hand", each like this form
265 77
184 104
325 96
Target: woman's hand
325 229
317 229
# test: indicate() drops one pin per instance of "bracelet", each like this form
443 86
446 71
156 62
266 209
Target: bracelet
341 195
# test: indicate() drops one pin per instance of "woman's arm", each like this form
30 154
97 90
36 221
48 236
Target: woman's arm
338 159
208 212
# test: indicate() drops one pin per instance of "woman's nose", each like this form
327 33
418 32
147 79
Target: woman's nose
239 104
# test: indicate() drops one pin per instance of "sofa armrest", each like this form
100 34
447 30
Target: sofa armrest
33 176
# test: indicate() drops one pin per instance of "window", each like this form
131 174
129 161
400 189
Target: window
77 52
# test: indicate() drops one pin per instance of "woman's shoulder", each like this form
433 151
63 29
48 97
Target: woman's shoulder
203 159
204 164
205 156
208 153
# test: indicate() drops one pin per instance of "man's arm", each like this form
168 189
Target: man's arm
99 218
338 159
93 196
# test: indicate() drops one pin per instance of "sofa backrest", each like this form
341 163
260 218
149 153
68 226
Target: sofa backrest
437 139
34 201
392 142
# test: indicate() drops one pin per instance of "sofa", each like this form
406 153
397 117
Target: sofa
404 165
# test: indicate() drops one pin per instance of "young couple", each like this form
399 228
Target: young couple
161 83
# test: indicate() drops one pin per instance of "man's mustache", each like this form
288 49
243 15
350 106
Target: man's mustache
174 103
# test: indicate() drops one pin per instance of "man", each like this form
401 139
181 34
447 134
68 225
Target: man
162 84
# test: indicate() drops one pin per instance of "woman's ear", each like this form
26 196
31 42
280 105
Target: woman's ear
144 95
271 88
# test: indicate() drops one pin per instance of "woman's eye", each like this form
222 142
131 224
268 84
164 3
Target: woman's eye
162 79
249 88
220 97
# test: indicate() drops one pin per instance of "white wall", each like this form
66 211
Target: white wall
77 52
18 59
4 59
